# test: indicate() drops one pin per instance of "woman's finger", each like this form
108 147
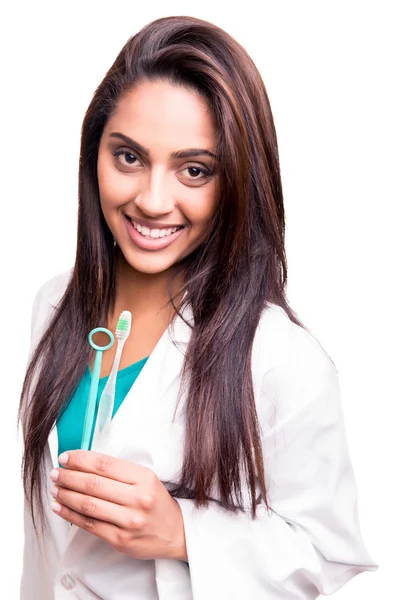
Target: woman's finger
107 531
104 465
94 509
94 485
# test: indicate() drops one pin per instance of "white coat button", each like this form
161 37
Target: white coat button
68 581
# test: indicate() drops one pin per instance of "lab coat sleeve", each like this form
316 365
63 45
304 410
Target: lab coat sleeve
31 553
310 542
32 586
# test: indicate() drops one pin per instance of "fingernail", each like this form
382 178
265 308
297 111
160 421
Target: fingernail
54 491
56 506
54 474
63 458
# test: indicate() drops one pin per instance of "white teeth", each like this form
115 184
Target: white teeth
153 233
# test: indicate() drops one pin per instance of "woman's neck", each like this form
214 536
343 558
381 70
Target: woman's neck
142 293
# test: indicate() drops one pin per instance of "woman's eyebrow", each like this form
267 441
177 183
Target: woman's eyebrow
179 154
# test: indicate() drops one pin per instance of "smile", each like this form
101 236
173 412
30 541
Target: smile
152 238
155 233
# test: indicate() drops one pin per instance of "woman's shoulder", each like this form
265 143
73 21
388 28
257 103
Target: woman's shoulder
277 336
46 299
53 289
291 367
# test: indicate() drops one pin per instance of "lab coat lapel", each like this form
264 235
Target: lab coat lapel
53 446
53 436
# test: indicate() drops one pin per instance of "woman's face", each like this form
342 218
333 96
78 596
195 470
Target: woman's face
157 174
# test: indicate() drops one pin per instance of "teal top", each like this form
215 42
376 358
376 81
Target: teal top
70 422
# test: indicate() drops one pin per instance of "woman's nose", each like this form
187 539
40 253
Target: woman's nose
155 198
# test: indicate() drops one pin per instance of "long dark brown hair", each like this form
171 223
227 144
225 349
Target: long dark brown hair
229 279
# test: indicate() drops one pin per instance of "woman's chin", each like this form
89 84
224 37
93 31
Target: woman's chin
150 265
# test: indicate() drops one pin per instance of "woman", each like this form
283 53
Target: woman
227 473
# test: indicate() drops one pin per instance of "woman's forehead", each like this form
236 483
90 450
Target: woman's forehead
158 110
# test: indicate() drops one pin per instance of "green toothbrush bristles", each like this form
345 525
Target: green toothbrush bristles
124 325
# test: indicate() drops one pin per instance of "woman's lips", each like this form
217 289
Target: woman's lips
149 243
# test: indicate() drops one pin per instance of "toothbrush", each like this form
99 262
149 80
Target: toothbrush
106 404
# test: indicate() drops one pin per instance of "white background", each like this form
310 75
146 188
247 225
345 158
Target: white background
331 71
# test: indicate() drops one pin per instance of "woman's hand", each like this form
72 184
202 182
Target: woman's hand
123 503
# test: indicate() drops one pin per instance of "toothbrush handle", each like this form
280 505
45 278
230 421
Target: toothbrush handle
105 409
106 404
103 423
91 405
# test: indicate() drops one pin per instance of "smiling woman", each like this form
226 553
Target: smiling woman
225 473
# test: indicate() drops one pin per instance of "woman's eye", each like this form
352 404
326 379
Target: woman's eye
196 172
128 157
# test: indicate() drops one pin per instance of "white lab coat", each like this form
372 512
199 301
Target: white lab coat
310 544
